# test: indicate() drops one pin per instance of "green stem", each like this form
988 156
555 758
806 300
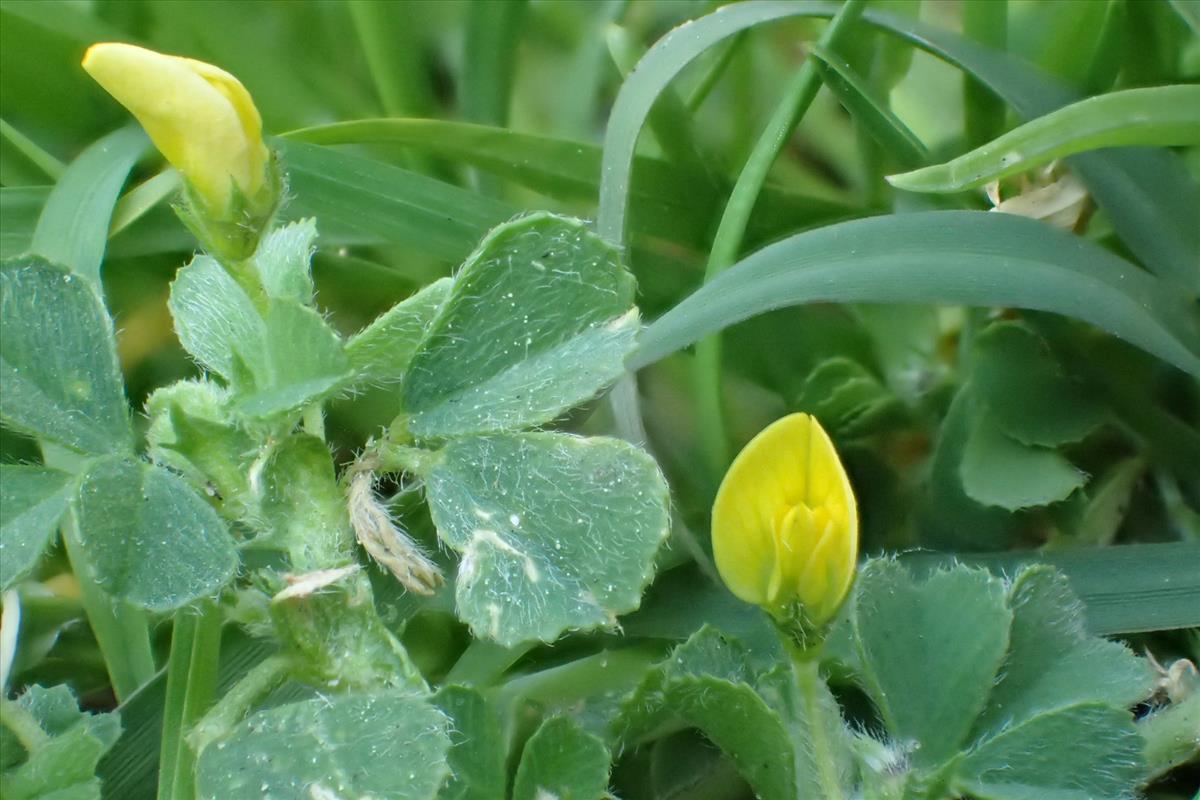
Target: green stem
484 662
191 685
1172 736
24 726
806 666
238 702
313 421
121 629
727 243
711 78
584 677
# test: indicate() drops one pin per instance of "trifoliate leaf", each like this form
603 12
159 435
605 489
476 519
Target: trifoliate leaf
556 532
58 360
32 499
386 745
539 319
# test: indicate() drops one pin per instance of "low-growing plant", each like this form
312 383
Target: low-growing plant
429 555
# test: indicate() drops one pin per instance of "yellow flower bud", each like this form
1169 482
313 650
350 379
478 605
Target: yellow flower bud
785 524
205 124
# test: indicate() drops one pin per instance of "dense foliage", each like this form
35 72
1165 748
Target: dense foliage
390 472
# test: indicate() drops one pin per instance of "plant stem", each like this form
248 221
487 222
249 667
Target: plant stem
121 629
191 684
484 662
727 243
806 666
231 709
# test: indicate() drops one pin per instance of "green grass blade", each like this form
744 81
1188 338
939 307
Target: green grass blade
1163 115
393 204
73 227
667 202
875 117
1147 193
984 112
1126 589
51 166
393 55
956 257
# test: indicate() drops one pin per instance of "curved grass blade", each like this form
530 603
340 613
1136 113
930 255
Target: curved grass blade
73 227
875 117
956 257
1147 193
1162 115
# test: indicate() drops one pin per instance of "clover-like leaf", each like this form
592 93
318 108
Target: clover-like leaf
58 359
556 532
386 745
540 318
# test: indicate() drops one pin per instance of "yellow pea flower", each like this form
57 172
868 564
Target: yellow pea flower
785 524
205 124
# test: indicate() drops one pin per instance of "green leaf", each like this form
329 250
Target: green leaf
394 205
1084 752
1162 115
150 539
539 319
666 202
58 360
1125 589
562 760
939 257
277 362
874 116
848 399
64 766
556 532
704 685
929 662
73 227
1053 663
997 470
1027 390
1147 193
283 261
477 751
213 315
301 360
192 431
32 500
390 744
381 352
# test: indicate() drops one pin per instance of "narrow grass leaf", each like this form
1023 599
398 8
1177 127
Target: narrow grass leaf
1162 115
874 116
939 257
1125 589
388 203
73 227
1146 192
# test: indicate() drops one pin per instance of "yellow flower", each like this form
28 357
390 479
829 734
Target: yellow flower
785 524
200 118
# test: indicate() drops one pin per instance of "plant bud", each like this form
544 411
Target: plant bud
205 124
785 525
